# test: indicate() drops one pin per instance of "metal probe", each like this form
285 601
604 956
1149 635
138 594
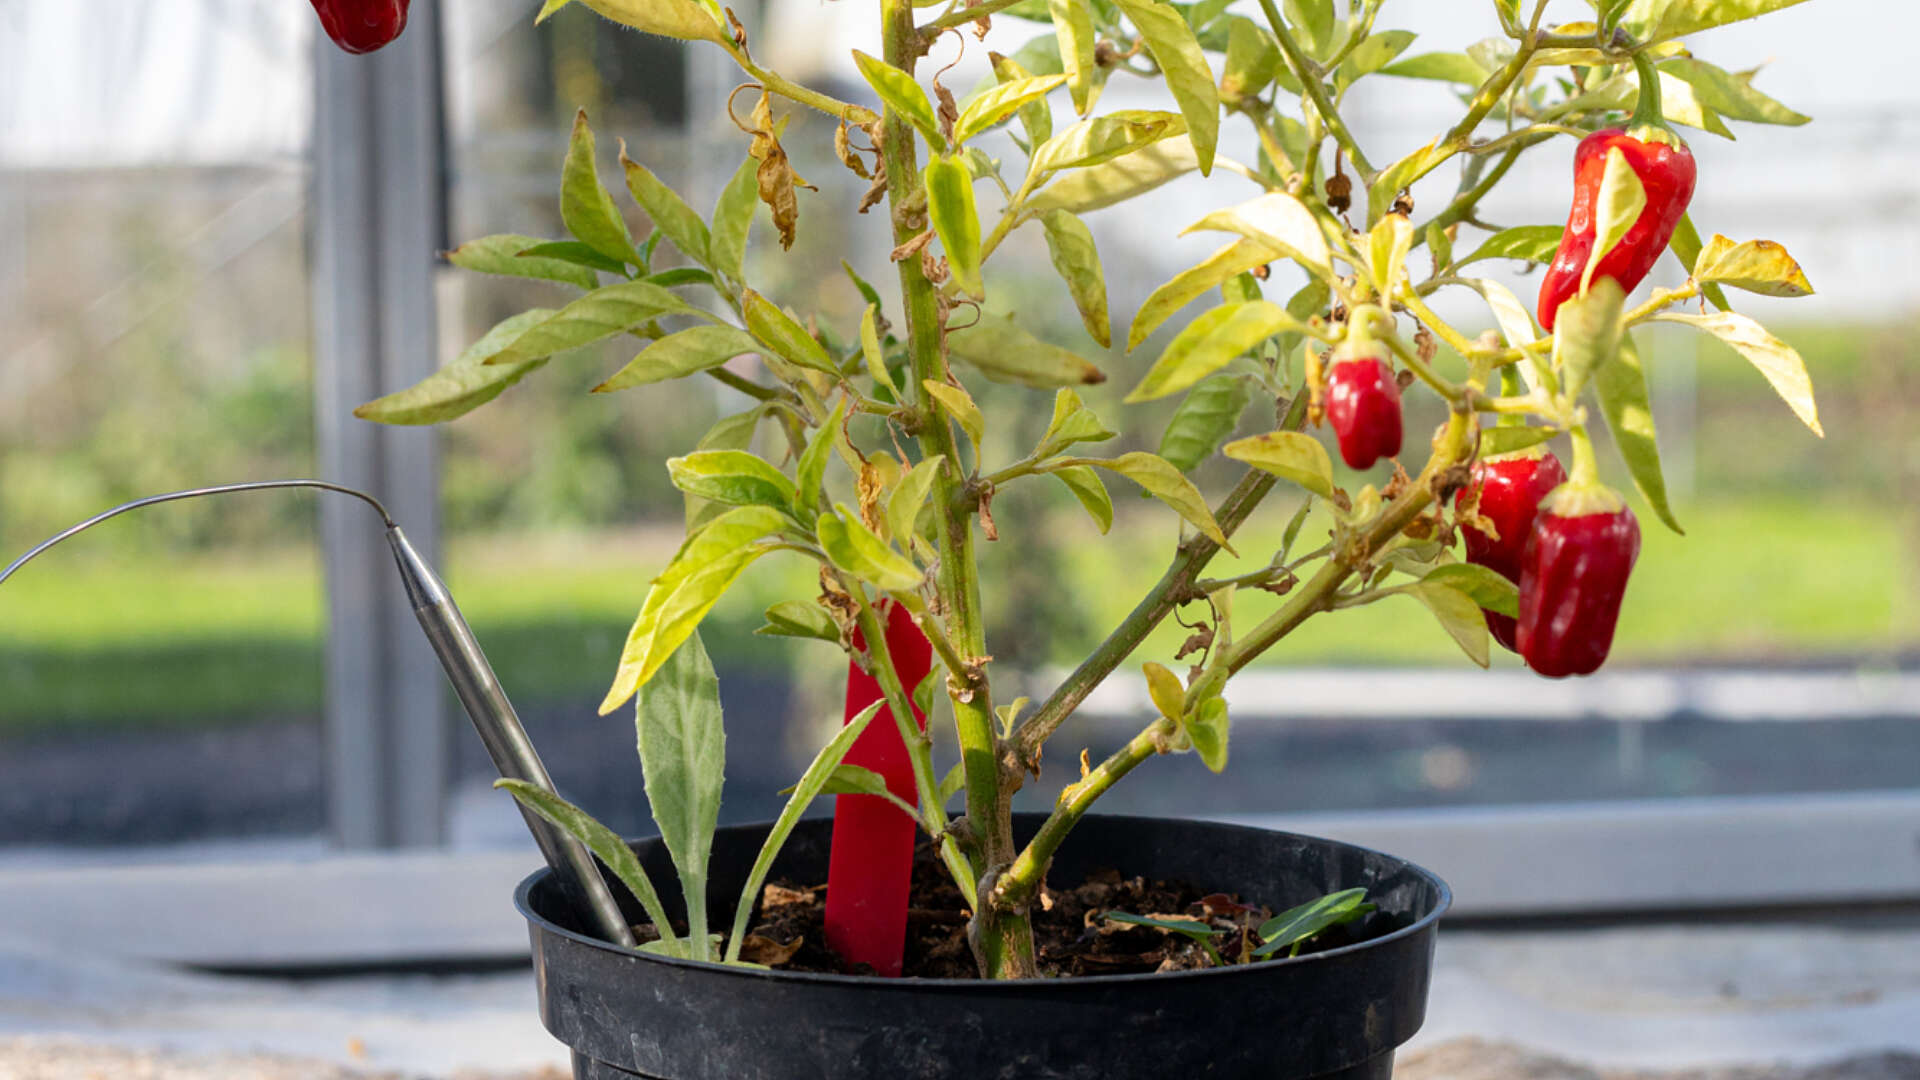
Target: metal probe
473 681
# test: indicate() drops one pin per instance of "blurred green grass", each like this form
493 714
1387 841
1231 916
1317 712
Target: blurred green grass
192 642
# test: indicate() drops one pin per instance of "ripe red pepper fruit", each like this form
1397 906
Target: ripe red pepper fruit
361 26
1363 402
1510 488
1573 577
1666 171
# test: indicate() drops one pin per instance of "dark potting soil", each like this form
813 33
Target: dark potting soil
1072 938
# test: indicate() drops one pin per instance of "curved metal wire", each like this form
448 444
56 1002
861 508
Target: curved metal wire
192 493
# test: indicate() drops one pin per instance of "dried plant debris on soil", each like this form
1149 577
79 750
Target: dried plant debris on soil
1072 937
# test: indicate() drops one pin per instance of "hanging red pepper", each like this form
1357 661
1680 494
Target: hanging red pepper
1510 488
1363 401
870 867
1574 573
1666 171
361 26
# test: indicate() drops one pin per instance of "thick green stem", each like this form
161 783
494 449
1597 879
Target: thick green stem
1003 941
1647 112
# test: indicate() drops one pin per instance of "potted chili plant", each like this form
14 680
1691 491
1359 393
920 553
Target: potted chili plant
1277 955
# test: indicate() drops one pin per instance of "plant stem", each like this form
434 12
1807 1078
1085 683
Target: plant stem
1308 73
1174 586
964 15
1021 882
776 83
1003 941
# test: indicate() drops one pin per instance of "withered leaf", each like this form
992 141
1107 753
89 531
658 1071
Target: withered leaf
775 176
764 950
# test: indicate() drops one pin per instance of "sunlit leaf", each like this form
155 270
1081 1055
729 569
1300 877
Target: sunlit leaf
1070 244
734 477
1184 68
1487 587
683 19
1211 342
1102 138
903 506
1777 360
1303 922
1278 220
1001 101
1118 180
1758 266
682 353
1290 455
1459 615
1240 256
1621 385
1534 243
732 218
1158 478
1208 728
585 205
1586 333
782 334
1616 209
853 547
1163 686
602 841
1449 67
463 385
950 205
901 94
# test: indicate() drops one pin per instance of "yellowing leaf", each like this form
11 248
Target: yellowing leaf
1085 485
670 213
683 19
679 354
1001 101
1615 210
1004 352
1207 728
734 477
1290 455
900 93
463 385
1758 266
585 206
1459 615
1164 688
1586 333
1211 342
959 405
1075 259
1621 385
852 547
1103 138
782 334
903 506
1237 257
1776 359
950 205
603 313
1120 179
1158 478
500 254
1277 220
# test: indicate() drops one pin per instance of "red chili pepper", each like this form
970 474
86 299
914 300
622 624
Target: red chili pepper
361 26
1363 403
1573 577
1510 488
1666 170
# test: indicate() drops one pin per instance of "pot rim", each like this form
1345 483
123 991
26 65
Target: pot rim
522 894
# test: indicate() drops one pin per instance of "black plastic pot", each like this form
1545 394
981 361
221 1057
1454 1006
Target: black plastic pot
1334 1014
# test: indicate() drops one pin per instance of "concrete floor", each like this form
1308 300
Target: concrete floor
1670 1002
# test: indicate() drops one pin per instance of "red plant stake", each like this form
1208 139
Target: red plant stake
361 26
871 868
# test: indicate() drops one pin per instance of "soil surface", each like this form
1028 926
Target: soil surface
1070 933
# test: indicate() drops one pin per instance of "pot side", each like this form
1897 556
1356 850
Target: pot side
1337 1014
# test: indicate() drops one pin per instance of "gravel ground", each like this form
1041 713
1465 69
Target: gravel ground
1462 1059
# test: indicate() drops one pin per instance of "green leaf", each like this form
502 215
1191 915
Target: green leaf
1164 688
853 547
1401 174
779 332
706 564
855 780
501 254
1733 96
683 19
951 783
1036 116
1236 258
1459 616
998 102
734 477
1615 210
1103 138
901 94
1277 220
1376 52
1686 247
1758 266
1204 419
1192 928
1586 333
903 506
732 218
950 205
1486 587
798 618
1158 478
1209 343
1775 359
1658 20
1449 67
1070 244
670 213
678 354
1184 68
576 253
1516 322
603 313
463 385
728 433
1505 440
1085 485
683 757
1208 728
870 351
1290 455
586 207
1005 353
811 782
1303 922
680 275
1534 243
959 405
1116 181
1621 385
1073 30
602 841
1316 17
1253 61
811 471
